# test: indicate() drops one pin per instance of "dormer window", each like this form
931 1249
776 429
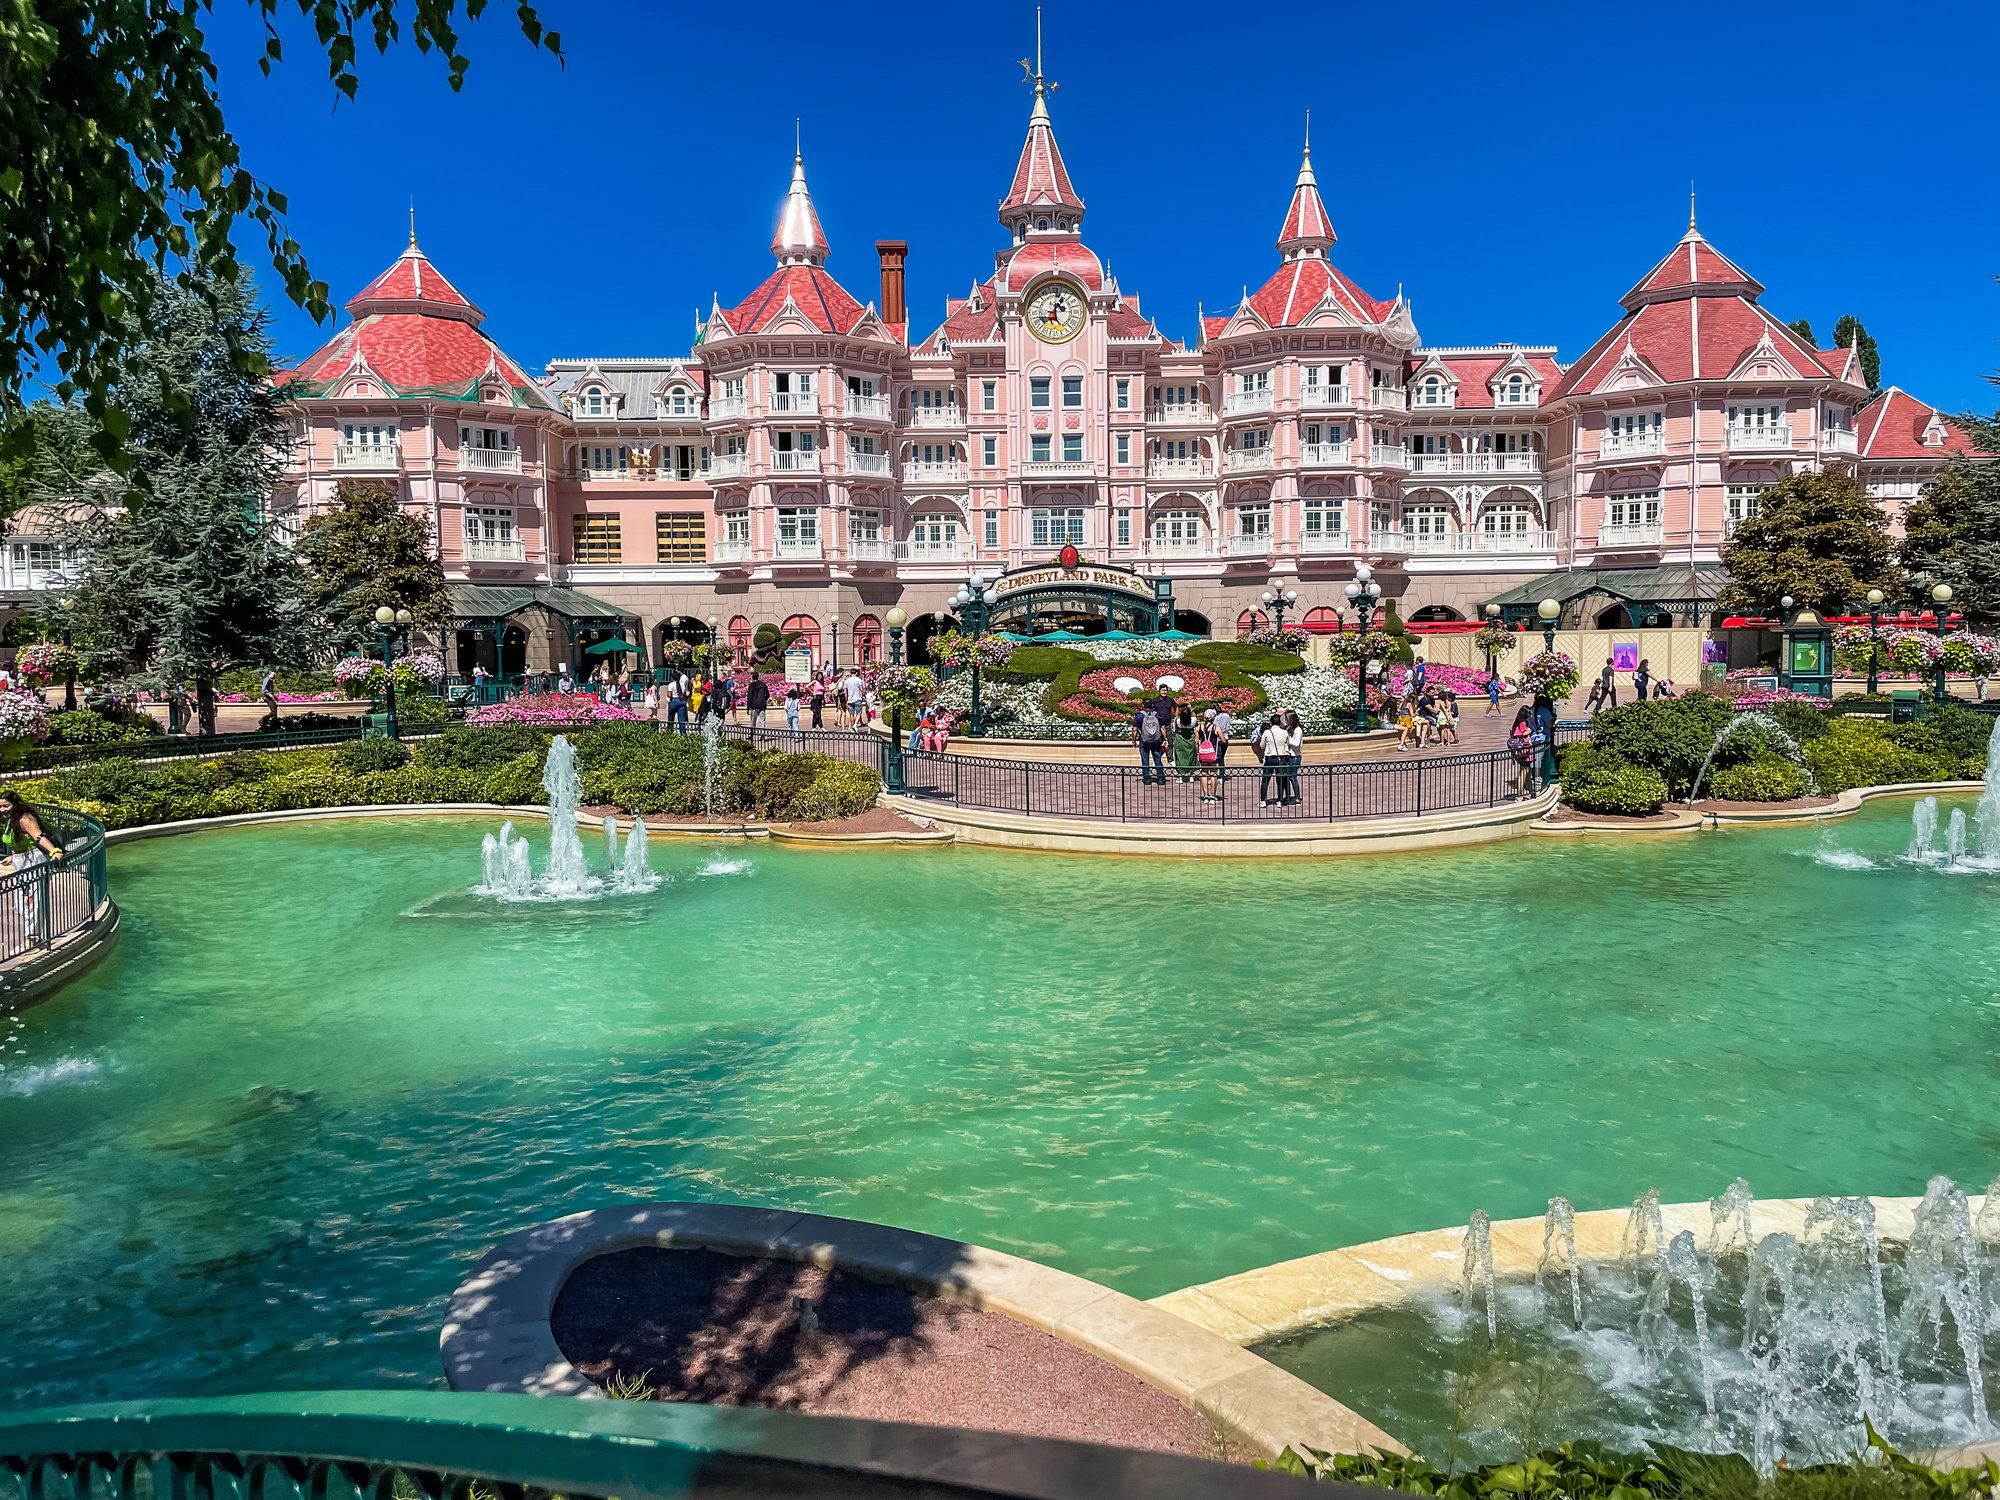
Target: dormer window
1516 392
1041 223
679 402
1433 392
593 401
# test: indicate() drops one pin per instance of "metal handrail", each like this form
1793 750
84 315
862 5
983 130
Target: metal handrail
43 901
176 746
458 1443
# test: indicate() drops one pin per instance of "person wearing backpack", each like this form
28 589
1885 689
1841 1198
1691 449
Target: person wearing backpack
1520 746
1149 733
1543 738
1208 755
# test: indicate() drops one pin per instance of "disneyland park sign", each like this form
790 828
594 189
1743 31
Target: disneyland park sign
1075 574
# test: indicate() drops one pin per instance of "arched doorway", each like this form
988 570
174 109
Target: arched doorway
923 630
808 629
867 640
739 640
1435 614
1249 620
1321 620
1614 618
1193 621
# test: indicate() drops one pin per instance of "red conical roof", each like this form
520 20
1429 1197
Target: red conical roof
413 284
1693 268
1040 179
1306 224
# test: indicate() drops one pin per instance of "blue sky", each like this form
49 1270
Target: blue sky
1515 168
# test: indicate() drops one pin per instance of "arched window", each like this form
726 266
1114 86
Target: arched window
1179 530
593 401
1249 620
808 629
867 640
1516 393
1434 392
1321 620
739 639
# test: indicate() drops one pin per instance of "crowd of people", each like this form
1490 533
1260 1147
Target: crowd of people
828 699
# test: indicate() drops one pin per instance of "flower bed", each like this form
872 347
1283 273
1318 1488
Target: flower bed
554 710
1551 672
1462 682
1115 693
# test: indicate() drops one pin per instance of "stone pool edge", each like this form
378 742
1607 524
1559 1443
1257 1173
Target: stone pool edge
496 1335
1843 804
1291 1296
413 809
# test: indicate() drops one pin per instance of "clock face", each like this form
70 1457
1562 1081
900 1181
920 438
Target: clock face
1056 313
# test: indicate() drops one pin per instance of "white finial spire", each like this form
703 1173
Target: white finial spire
799 240
413 222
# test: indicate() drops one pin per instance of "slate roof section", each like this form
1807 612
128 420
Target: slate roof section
1306 225
1894 424
1040 178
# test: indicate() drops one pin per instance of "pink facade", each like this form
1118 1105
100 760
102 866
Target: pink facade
814 461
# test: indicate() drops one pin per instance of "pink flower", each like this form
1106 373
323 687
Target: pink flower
1098 696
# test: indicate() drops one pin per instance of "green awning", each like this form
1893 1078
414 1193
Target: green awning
1672 581
605 648
484 601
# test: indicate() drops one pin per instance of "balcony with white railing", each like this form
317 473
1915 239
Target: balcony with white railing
1389 458
1629 444
870 550
1241 459
727 465
1320 455
1511 541
603 476
1837 440
799 549
1509 463
1195 546
1323 542
1768 437
1241 402
935 416
495 551
493 460
1429 541
796 402
1387 398
1061 468
1388 543
731 552
1437 463
1179 414
792 461
1179 468
727 408
1323 395
368 456
867 463
947 472
1250 546
1629 536
874 408
934 552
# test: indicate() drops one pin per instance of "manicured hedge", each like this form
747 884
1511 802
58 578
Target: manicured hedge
624 765
1062 668
1767 778
1597 782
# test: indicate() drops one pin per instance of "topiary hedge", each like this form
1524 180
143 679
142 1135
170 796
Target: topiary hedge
1593 780
377 753
1063 669
1765 778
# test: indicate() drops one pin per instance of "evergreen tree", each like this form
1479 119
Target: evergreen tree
199 580
1803 328
1819 539
1849 334
365 553
1951 532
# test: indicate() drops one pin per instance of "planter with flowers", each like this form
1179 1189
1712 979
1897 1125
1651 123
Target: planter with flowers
46 663
905 688
1550 672
24 723
1494 639
1288 638
961 651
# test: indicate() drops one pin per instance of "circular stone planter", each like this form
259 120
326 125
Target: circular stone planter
496 1336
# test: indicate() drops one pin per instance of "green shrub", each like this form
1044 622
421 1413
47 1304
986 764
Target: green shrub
1959 732
1594 780
483 749
1865 752
516 784
1244 656
781 779
89 726
841 790
1766 778
113 779
1669 736
376 754
420 712
1802 721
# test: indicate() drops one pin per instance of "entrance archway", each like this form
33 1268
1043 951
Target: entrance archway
1435 614
923 630
1193 621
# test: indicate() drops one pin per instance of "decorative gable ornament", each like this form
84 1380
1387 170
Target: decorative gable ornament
1632 373
1764 362
1936 434
1500 383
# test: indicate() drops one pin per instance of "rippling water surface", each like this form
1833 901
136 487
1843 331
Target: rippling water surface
258 1146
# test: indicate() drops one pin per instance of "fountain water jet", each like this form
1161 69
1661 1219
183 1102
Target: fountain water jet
1774 736
1479 1261
1643 1220
711 762
1986 816
1561 1220
1954 838
1684 1265
1923 829
507 874
1943 1266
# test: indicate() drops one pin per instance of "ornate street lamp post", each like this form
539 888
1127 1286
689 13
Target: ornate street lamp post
1362 594
1278 601
1492 619
1875 597
1550 610
897 619
973 599
1941 595
392 624
833 643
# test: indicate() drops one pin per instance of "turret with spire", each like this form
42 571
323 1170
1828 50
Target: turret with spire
1041 197
799 240
1307 233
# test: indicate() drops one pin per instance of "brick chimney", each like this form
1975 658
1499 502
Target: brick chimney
892 253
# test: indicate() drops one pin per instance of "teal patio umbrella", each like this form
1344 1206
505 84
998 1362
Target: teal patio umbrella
1059 635
1116 635
605 648
1177 635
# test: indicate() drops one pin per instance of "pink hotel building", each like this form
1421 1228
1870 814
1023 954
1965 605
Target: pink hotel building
814 462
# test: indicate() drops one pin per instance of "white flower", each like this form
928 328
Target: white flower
1129 685
1171 684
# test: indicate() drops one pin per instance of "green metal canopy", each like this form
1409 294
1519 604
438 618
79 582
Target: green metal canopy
484 601
1672 589
1174 635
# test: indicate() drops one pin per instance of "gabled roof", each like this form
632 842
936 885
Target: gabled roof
1299 288
1693 268
806 290
417 335
1896 424
1474 370
1040 178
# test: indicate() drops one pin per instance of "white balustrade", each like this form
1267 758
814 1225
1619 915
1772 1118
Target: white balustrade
367 456
1628 444
933 552
603 476
1389 458
1837 440
936 416
727 408
1250 546
727 465
1388 543
867 463
1178 468
795 401
933 472
799 548
731 552
1179 414
1770 436
1323 395
495 551
1435 463
1629 536
1323 541
1513 541
793 461
1249 458
1318 455
497 460
1387 398
1510 463
871 549
1244 401
1058 469
875 408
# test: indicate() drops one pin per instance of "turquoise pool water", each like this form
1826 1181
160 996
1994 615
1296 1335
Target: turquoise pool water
258 1146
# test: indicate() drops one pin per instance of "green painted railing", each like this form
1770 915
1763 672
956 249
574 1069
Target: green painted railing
442 1445
44 901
